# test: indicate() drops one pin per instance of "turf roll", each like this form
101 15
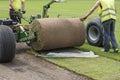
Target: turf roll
52 33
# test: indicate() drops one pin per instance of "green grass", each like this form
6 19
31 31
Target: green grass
106 67
98 68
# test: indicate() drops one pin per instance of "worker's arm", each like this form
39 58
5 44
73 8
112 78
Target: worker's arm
11 5
91 10
23 5
115 7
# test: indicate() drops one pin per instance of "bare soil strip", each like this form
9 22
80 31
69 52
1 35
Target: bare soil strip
29 67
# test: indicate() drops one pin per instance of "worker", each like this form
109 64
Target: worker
107 13
15 7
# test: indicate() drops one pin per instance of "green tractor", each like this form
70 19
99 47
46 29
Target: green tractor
12 32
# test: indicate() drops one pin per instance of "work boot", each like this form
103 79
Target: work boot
103 50
116 50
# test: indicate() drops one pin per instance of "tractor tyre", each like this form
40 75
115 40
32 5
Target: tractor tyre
94 31
7 44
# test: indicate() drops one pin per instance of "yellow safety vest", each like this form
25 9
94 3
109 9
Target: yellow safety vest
17 4
107 10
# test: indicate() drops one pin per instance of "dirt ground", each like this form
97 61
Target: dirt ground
29 67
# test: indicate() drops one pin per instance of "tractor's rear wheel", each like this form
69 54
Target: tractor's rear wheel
94 31
7 44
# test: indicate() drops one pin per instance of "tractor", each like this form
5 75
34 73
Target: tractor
12 32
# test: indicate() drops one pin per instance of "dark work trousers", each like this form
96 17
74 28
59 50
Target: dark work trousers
14 16
109 36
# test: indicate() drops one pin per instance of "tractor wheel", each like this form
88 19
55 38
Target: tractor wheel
95 32
7 44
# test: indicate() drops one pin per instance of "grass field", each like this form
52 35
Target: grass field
106 67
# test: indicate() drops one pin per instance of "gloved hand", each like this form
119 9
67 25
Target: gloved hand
23 11
54 0
83 18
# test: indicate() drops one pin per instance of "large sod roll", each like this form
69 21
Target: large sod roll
55 33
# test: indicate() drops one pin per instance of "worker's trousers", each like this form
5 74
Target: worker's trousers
109 36
14 16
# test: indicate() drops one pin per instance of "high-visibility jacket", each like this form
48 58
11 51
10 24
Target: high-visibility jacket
107 10
17 4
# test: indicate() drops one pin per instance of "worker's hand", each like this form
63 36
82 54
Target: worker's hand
16 12
54 1
83 18
23 11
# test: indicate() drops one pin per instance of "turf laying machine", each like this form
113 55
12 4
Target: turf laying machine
43 34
